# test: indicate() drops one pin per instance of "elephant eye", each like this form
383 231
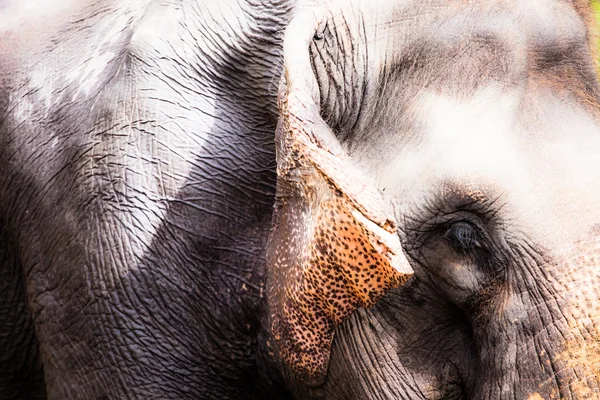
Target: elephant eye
463 237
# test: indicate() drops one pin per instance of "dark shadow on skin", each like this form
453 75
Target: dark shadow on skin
21 374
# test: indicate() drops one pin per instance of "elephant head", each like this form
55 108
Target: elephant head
457 140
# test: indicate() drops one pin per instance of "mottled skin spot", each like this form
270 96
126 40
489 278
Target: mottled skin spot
333 247
535 396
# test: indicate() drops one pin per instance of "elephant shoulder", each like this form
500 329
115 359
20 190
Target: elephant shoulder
55 53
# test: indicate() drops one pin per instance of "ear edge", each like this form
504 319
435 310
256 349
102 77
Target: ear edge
312 162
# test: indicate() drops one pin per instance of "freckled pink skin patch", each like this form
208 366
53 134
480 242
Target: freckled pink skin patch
333 247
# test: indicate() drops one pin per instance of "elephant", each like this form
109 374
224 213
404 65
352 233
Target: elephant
276 199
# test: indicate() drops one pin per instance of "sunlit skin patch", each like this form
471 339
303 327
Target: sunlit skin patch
567 341
584 358
579 279
535 396
334 246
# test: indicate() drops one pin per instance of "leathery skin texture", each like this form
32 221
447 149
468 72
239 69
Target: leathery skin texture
138 177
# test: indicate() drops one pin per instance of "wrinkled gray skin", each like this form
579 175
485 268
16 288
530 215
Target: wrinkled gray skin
138 178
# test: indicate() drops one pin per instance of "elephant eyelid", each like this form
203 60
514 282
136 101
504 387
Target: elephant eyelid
463 237
436 218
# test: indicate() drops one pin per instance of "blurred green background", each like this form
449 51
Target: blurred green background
596 5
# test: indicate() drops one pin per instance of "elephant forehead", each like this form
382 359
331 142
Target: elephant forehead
466 141
536 153
470 135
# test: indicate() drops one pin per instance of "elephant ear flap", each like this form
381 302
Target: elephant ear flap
333 245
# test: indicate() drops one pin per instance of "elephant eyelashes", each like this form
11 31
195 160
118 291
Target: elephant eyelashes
463 237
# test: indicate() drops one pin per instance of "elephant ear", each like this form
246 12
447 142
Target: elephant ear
333 246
